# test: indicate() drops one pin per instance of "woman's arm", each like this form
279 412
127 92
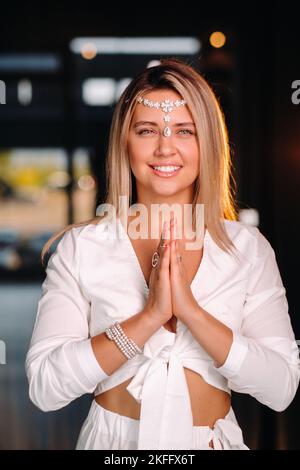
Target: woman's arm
63 362
262 359
140 327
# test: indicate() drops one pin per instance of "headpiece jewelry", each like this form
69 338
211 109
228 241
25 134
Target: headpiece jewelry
166 106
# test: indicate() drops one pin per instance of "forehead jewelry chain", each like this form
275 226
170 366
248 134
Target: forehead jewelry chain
167 106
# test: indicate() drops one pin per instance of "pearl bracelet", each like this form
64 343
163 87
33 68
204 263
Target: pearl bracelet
128 347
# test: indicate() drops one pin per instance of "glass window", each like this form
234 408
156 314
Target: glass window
33 204
84 187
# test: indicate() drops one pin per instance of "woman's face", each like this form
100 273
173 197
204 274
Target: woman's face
148 147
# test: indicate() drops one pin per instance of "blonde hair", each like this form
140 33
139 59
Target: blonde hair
213 185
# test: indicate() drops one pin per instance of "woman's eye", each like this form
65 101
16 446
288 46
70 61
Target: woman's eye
186 132
150 131
144 132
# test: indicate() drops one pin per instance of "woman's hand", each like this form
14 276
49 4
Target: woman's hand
159 302
182 297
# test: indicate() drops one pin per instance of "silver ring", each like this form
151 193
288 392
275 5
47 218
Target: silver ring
155 258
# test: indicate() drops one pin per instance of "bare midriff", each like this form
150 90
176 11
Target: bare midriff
208 403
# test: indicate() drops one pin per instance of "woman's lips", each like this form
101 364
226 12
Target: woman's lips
165 174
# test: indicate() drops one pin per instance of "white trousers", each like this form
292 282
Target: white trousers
106 430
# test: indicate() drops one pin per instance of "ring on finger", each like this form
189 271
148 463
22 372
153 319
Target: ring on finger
155 258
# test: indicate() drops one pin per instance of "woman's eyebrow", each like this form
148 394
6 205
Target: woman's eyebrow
142 123
182 124
151 123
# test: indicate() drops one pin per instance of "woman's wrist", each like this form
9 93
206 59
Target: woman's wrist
188 316
153 317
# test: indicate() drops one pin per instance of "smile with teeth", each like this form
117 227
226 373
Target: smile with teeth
166 170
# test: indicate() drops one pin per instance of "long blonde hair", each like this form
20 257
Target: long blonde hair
213 185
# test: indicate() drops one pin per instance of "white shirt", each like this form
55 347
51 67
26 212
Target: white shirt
94 278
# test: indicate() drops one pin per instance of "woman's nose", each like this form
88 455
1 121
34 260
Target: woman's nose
165 146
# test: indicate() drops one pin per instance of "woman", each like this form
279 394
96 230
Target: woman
161 330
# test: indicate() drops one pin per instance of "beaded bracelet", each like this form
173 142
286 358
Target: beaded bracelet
128 347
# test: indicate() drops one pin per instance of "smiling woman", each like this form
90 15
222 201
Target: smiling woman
157 155
158 331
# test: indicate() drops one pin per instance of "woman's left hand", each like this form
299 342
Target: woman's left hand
183 300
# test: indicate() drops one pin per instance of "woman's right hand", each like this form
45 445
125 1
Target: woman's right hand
159 302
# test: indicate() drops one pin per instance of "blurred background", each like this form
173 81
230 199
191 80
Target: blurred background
62 68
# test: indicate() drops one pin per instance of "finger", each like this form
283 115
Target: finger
166 231
175 253
164 240
176 242
172 228
175 268
178 257
164 236
164 261
165 258
160 250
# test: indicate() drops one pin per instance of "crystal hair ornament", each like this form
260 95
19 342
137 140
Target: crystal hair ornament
167 106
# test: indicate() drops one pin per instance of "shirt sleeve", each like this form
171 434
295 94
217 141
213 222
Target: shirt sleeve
263 360
60 363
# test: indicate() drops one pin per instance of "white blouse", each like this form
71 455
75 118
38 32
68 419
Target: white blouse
94 278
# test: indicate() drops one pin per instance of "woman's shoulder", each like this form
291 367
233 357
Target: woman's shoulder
235 227
249 237
70 238
86 238
96 229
